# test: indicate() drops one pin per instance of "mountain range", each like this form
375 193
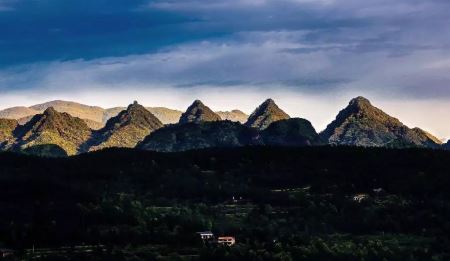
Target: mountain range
96 117
68 130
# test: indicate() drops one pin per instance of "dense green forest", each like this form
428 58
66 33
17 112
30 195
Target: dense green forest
313 203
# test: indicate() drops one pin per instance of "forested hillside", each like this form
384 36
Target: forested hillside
312 203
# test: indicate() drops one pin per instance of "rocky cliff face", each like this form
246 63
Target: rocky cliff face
362 124
265 114
126 129
197 113
53 128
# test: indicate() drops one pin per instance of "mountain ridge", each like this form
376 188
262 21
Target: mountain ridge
96 117
358 124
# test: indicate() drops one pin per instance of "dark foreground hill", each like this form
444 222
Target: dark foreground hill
213 134
311 203
226 134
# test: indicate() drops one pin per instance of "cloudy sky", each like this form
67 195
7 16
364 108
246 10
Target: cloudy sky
311 56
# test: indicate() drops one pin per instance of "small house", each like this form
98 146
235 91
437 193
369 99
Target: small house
229 241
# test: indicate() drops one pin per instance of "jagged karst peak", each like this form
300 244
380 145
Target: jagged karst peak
362 124
135 106
269 101
53 128
50 111
360 100
198 112
126 129
198 103
265 114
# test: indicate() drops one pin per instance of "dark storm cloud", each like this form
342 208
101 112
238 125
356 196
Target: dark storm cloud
313 45
42 30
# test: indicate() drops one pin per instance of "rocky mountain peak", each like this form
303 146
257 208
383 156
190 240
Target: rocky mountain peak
360 101
360 104
50 111
269 101
362 124
126 129
198 112
265 114
136 108
198 103
56 128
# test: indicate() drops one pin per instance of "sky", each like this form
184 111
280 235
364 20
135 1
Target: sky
311 56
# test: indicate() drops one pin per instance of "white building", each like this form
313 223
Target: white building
207 235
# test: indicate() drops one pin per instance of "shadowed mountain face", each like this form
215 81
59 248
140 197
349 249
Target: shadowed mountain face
234 115
47 150
52 127
182 137
362 124
291 132
7 128
126 129
198 112
265 114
